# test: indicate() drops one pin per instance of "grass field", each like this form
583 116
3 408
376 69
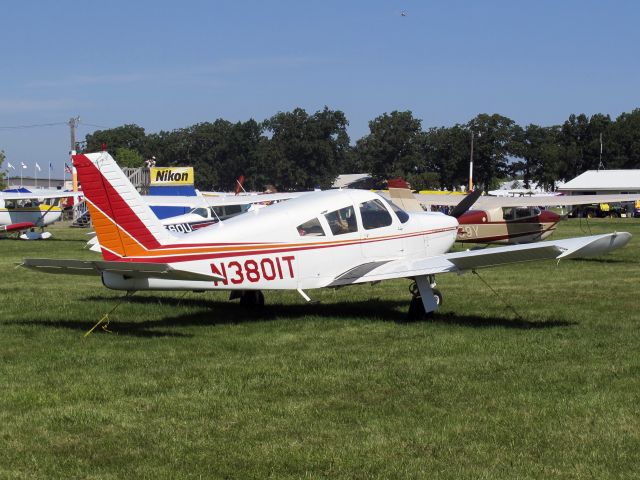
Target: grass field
192 386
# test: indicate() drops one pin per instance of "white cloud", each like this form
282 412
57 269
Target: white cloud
16 105
196 75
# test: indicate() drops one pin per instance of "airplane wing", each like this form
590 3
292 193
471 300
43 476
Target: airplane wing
130 269
487 202
460 262
37 195
214 200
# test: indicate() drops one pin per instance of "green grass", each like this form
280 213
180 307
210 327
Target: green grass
192 386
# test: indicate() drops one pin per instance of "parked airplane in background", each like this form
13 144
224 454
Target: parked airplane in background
504 220
22 212
328 238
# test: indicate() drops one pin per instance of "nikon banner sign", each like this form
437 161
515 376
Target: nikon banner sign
171 176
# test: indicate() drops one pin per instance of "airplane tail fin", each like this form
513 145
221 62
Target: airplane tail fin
405 199
125 225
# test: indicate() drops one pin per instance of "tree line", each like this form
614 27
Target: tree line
297 151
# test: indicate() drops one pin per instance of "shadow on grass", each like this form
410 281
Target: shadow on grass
600 260
118 327
484 322
213 312
217 312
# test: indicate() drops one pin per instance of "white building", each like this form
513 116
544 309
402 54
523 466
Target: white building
594 182
352 180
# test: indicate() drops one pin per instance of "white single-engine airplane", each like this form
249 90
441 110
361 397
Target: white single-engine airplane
321 239
23 212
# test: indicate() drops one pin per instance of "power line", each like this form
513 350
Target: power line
17 127
92 125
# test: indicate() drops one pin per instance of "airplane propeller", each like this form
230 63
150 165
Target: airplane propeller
465 204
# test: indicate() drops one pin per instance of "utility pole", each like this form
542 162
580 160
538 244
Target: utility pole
73 124
471 162
471 166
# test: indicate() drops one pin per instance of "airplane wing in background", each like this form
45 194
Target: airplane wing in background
37 195
488 202
460 262
211 200
244 199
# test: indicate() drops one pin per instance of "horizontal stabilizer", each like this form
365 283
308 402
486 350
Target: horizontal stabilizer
16 227
128 269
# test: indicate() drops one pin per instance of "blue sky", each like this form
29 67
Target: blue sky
166 65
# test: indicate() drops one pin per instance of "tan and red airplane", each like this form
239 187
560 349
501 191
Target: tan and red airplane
324 239
502 220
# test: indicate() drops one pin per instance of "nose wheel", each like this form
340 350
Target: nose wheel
416 307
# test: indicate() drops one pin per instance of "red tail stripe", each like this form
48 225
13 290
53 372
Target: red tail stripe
101 193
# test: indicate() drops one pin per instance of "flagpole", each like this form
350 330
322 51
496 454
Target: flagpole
49 176
21 168
35 174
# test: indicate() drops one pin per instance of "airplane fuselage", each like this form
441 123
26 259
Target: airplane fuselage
506 226
336 231
40 215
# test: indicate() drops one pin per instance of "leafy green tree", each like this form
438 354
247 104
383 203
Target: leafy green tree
125 157
242 157
201 146
394 146
127 136
541 154
622 145
305 151
447 154
219 151
493 144
3 175
573 136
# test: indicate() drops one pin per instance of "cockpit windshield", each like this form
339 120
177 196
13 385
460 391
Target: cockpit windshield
402 215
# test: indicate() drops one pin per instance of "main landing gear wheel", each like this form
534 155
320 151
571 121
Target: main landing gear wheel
252 298
416 308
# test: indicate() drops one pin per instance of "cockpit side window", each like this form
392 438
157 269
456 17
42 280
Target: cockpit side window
203 212
374 215
402 215
508 213
523 212
342 221
311 228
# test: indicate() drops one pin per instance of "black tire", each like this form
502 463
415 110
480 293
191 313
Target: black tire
416 308
252 298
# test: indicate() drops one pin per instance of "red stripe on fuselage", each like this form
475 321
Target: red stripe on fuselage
216 255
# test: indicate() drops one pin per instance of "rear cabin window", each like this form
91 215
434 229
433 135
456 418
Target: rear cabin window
374 215
342 221
311 228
